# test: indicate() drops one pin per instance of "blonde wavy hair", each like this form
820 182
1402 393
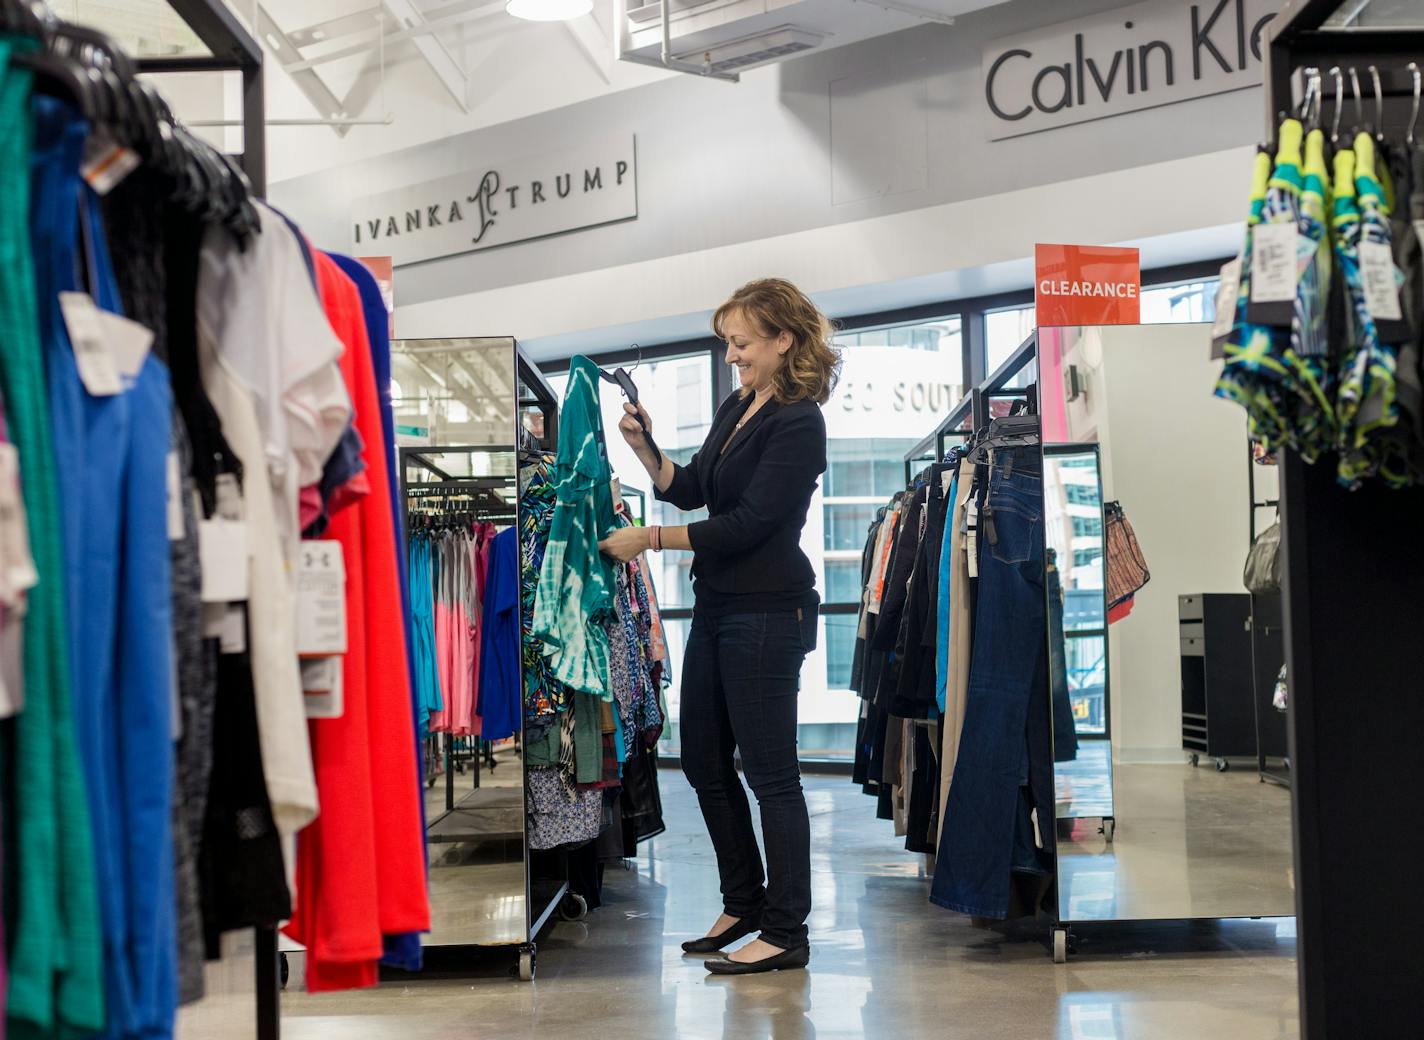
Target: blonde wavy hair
812 365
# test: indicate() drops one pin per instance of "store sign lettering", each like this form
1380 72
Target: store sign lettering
515 202
1086 285
867 395
1151 54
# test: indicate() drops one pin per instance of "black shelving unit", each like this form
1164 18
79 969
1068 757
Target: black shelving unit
1354 601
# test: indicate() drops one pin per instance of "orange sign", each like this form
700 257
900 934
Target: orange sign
384 270
1086 285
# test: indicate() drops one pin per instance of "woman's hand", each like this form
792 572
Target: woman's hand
626 542
633 432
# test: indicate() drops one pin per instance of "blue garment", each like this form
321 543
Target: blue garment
946 560
111 472
500 693
401 951
1004 771
427 675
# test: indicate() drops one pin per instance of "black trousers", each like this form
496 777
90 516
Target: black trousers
740 679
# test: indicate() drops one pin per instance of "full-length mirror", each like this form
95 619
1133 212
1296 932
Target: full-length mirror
1164 664
456 419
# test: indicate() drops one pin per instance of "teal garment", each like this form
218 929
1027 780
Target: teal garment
56 984
946 558
576 581
588 738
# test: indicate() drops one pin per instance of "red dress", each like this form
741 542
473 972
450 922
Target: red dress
361 863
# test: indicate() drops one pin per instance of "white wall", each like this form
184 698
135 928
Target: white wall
1175 457
864 172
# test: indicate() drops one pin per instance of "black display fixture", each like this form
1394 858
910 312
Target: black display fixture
1354 611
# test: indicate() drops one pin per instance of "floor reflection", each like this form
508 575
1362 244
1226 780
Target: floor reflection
885 963
1188 843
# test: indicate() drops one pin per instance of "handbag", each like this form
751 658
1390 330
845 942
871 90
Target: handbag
1263 562
1127 568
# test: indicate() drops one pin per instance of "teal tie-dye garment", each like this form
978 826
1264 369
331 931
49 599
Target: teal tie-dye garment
576 581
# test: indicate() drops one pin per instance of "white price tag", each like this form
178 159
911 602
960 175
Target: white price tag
1273 263
106 162
321 599
223 554
1226 297
945 480
128 341
1377 272
322 687
1419 230
228 497
92 354
20 573
175 499
232 631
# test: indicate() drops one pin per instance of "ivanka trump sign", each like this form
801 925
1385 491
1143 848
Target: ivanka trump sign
1086 285
1150 54
496 205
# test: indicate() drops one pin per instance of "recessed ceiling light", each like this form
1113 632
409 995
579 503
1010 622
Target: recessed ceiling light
549 10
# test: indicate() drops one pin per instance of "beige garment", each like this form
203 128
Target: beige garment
905 767
956 687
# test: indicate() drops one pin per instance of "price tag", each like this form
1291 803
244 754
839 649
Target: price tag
1273 263
321 599
322 687
1226 297
945 480
128 341
232 630
20 572
1377 272
1419 230
223 554
91 350
228 496
175 499
106 162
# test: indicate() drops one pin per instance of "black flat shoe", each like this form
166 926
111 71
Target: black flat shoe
713 943
797 958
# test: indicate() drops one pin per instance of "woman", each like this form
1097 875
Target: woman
755 615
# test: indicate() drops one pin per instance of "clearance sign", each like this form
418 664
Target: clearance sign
1086 285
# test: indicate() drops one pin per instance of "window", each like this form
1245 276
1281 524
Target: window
1087 525
1085 557
1082 494
1184 302
1004 331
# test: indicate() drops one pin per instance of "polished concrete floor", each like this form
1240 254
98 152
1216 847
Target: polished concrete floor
1188 842
885 963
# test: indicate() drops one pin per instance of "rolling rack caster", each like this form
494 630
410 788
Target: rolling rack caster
573 907
528 961
1064 943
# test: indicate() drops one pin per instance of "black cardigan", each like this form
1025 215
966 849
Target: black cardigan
748 556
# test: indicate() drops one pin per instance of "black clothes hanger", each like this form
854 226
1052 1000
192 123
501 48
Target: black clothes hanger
624 382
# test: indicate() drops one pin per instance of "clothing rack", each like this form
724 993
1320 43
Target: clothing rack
975 407
1263 768
1353 575
232 49
486 505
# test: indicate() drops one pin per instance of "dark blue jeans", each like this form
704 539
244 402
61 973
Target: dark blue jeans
1004 771
741 675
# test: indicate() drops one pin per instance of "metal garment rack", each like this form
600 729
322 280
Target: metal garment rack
1263 768
1353 605
232 49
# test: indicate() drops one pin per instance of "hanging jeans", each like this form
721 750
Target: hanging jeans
1003 777
741 675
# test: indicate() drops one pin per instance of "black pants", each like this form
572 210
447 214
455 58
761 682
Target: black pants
741 676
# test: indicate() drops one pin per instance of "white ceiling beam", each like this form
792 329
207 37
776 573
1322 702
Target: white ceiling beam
365 22
327 104
430 26
445 67
596 47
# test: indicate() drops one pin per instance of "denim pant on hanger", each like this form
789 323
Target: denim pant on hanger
1004 771
741 676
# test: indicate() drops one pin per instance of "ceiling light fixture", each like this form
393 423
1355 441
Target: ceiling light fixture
549 10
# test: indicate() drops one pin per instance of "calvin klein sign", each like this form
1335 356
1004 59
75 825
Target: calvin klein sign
1143 56
514 201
